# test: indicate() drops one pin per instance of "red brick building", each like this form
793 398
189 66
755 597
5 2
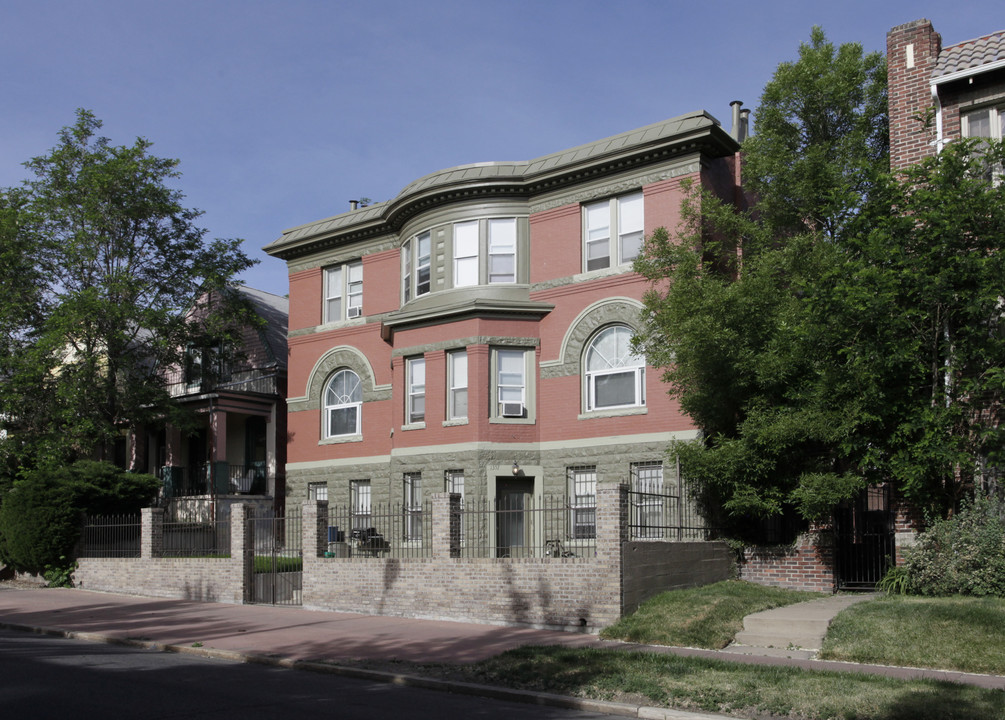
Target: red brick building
472 333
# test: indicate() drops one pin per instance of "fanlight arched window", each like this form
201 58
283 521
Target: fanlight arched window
615 376
342 402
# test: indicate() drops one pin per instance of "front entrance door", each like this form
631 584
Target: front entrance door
514 498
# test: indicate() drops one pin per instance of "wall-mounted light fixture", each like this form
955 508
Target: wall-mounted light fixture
516 468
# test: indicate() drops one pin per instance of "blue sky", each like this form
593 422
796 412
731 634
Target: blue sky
282 112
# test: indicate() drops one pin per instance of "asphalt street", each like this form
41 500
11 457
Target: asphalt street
43 677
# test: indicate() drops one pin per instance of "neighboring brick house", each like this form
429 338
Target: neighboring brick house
961 86
472 334
237 450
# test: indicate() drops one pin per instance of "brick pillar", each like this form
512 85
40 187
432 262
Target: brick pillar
446 525
242 547
612 521
151 533
315 528
912 51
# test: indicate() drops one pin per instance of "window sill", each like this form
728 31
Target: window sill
455 423
512 421
413 426
614 412
338 439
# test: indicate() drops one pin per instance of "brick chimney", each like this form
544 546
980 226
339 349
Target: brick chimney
911 53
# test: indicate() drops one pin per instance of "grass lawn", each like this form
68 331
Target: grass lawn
959 633
702 617
951 633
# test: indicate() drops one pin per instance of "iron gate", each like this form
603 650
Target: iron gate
276 559
865 547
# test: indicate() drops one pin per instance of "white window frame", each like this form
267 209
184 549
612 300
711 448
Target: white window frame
650 512
582 502
415 379
600 243
995 116
351 398
467 242
317 491
508 386
598 369
502 244
457 385
342 290
412 504
360 504
453 482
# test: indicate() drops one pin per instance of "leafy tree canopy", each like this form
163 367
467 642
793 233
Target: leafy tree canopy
849 329
108 265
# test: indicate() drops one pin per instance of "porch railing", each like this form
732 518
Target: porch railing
204 479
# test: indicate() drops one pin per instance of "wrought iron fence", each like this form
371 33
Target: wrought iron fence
518 526
209 539
394 530
110 536
665 516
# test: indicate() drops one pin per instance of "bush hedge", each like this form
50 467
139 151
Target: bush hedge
964 554
41 514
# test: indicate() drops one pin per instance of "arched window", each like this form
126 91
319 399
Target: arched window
615 376
343 398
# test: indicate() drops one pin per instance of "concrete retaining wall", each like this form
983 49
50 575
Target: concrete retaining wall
651 568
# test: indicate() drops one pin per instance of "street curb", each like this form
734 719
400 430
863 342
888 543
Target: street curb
451 686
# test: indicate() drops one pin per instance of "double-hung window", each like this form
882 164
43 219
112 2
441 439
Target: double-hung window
466 253
343 399
600 244
457 385
615 376
511 383
413 507
986 124
502 250
453 482
582 502
343 292
360 504
317 491
416 372
417 261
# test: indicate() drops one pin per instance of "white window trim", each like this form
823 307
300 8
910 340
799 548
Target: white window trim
360 504
327 407
637 369
453 386
525 387
415 391
412 506
615 232
349 291
650 513
582 479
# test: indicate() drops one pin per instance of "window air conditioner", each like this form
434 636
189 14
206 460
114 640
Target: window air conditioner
512 409
354 312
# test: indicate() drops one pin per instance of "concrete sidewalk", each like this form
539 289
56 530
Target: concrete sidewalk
289 636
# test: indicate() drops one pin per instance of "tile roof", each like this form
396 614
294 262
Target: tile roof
971 55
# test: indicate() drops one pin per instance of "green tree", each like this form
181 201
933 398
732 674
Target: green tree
845 331
816 366
822 137
117 264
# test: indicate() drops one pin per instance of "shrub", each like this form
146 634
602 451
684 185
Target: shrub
41 514
964 554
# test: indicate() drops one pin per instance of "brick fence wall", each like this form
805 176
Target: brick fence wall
558 592
807 564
